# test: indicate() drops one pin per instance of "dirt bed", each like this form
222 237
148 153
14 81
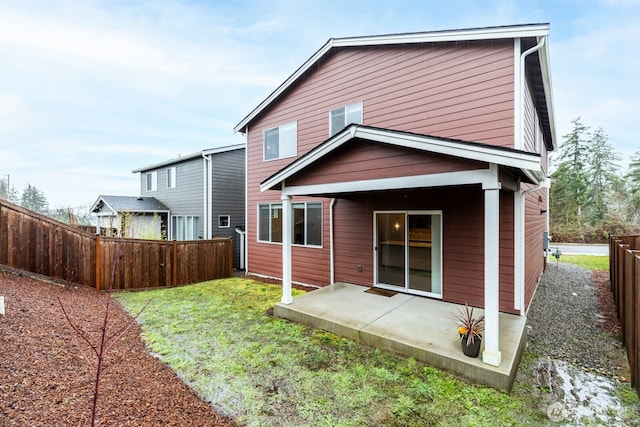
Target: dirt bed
47 372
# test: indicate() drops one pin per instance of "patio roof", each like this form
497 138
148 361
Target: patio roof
115 204
410 325
525 163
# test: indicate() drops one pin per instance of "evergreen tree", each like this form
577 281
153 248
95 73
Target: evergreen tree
602 182
34 199
632 179
7 193
569 191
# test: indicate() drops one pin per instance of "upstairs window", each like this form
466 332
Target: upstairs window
344 116
281 142
152 181
171 177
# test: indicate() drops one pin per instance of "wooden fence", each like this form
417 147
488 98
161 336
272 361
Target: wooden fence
41 245
624 271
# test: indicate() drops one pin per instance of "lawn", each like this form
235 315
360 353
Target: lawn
220 340
261 370
588 262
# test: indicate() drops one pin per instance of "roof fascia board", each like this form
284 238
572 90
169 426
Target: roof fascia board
223 149
189 157
476 176
446 36
452 148
491 33
548 89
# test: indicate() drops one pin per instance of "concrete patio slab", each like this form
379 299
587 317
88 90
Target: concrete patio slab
414 326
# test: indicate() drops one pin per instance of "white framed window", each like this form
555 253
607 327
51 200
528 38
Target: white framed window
152 181
341 117
171 177
281 142
270 223
306 223
224 221
185 227
177 228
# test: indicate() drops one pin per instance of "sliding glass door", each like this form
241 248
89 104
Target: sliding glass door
408 253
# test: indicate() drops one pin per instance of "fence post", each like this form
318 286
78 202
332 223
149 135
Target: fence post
98 263
230 246
174 267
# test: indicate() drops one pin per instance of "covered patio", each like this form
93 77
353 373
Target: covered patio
414 326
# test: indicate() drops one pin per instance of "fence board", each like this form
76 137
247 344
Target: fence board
36 243
624 254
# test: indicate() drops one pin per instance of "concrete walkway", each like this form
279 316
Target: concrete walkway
414 326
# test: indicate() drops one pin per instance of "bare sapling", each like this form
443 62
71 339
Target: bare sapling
105 339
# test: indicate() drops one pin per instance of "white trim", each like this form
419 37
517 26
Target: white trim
287 297
489 33
405 288
417 181
518 250
191 157
529 163
491 354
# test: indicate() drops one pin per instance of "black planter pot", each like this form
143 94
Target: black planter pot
472 350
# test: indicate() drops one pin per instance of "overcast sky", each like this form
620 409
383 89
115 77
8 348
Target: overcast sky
90 90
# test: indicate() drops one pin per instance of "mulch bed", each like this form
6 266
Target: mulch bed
47 372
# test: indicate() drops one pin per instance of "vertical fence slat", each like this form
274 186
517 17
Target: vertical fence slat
33 242
624 273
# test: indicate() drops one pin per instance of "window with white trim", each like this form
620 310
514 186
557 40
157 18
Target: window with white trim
306 223
270 223
341 117
281 142
224 221
152 181
171 177
185 227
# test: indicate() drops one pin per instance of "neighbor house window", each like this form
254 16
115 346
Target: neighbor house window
224 221
152 181
270 223
344 116
281 142
306 223
171 177
185 227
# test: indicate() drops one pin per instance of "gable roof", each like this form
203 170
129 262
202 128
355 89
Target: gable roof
117 204
542 78
528 163
191 156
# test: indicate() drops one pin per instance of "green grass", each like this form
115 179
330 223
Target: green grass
265 371
589 262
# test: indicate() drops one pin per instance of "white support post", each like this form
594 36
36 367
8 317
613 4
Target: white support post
518 253
287 297
491 354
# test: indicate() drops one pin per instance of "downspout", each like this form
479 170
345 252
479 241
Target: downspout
206 183
520 256
332 270
519 144
521 80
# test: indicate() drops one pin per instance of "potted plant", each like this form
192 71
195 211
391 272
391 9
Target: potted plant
470 330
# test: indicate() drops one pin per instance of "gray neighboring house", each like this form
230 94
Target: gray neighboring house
205 194
128 216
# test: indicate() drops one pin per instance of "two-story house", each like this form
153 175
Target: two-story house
204 193
410 162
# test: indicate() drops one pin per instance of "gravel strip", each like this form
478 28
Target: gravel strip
565 323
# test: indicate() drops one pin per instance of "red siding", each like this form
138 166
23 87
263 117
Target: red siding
367 160
535 225
460 90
